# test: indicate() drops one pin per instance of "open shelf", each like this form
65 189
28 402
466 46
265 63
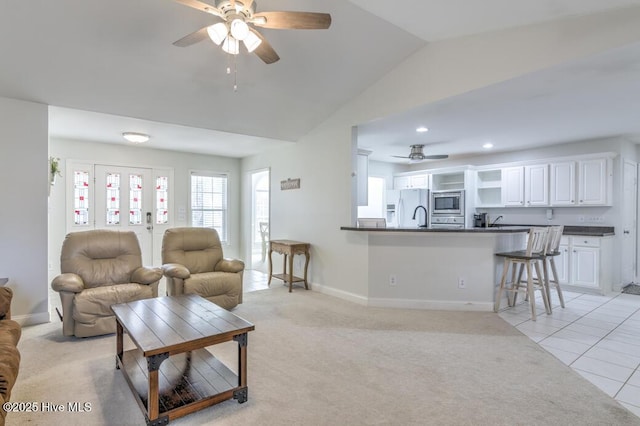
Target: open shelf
185 380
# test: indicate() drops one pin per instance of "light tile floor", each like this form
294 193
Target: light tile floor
597 336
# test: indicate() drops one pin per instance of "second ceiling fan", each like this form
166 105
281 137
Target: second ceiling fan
417 154
235 20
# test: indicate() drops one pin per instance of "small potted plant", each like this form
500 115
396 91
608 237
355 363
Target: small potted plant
54 169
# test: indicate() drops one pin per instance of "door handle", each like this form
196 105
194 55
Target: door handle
149 226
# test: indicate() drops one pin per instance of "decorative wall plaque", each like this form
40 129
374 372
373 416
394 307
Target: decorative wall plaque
290 184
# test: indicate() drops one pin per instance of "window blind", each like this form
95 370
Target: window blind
209 202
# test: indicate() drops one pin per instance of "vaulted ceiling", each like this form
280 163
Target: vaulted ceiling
109 67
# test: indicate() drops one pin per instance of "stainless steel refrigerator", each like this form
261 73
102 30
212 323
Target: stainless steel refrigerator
403 203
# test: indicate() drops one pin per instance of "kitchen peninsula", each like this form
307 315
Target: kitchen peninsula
452 269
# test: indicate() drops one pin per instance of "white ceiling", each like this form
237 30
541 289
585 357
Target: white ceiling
110 67
597 97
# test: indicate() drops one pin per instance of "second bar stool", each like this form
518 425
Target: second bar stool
531 259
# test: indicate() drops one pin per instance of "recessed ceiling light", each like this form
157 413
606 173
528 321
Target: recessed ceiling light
135 137
422 129
487 146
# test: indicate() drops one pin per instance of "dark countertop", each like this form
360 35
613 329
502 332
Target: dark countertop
586 231
589 231
495 230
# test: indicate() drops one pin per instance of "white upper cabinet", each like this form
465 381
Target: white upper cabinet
594 185
420 181
563 184
536 185
513 186
526 186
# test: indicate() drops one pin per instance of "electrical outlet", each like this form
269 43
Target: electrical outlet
580 218
462 283
393 280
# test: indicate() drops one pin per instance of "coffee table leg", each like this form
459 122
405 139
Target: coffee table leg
153 399
242 394
119 345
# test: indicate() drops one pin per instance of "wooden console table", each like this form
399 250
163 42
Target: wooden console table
289 248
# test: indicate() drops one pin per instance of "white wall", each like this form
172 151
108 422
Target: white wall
24 181
323 158
140 156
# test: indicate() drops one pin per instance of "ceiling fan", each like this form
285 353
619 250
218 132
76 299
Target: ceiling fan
417 155
235 20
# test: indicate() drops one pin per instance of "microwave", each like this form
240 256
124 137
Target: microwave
449 203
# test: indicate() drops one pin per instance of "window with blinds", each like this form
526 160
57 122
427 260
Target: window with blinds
209 202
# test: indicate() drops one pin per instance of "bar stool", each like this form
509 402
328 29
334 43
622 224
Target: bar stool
553 250
531 259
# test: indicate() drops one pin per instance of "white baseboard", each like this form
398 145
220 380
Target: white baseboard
341 294
436 305
403 303
32 319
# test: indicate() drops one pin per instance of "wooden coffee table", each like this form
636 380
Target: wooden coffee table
169 371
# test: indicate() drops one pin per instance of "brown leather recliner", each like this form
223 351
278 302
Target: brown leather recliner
10 332
100 268
193 263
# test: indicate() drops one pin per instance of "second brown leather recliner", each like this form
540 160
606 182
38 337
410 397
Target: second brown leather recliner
193 262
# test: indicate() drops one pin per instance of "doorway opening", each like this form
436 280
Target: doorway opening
260 225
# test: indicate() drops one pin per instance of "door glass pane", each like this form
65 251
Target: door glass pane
135 199
113 199
162 193
80 198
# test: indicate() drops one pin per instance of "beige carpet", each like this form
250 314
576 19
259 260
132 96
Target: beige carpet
317 360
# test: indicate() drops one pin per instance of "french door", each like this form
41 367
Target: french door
134 199
124 201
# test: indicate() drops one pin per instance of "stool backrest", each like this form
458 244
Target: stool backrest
555 235
537 242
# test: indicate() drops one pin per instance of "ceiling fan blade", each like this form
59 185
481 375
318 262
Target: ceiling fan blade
399 156
293 20
201 6
436 157
193 38
247 4
265 51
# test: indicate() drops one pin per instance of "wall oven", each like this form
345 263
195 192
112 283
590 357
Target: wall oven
447 203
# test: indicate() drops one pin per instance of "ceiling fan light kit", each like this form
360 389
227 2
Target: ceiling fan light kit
236 20
217 32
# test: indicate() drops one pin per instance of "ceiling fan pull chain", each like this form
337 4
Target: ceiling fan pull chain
235 73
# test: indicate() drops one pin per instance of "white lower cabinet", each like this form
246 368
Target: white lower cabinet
583 263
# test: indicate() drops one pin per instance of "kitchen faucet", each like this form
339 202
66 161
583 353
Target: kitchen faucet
426 216
495 220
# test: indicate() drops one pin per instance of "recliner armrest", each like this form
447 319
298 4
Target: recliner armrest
146 275
175 270
230 265
68 282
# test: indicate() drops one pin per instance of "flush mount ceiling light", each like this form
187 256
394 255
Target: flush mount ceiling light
422 129
488 145
135 137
